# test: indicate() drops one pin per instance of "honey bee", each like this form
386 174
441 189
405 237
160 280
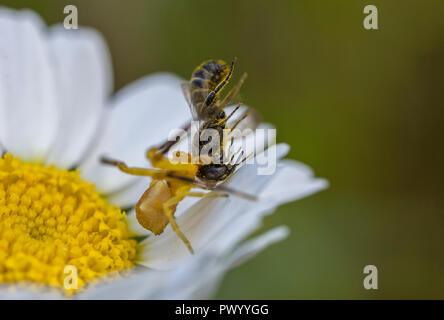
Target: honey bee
172 182
201 93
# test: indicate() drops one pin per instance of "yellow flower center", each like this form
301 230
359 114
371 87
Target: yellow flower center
53 225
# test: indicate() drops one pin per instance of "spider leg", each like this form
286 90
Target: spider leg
155 173
167 175
169 212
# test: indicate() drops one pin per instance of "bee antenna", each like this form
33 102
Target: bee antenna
237 193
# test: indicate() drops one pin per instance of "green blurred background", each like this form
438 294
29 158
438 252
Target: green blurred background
363 108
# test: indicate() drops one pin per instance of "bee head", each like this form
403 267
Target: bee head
221 115
215 172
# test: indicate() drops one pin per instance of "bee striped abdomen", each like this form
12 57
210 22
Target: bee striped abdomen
205 79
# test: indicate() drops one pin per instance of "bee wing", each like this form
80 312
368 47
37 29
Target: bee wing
187 93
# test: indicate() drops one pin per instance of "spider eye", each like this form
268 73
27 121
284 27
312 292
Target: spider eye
221 115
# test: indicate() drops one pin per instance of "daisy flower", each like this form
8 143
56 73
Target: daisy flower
59 206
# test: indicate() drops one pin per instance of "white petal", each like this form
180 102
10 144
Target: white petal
134 226
84 81
188 281
28 85
293 181
2 126
197 278
139 285
206 219
128 197
250 248
255 143
286 186
2 113
24 292
142 115
240 228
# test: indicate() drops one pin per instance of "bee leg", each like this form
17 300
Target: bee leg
233 92
213 94
207 195
169 212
